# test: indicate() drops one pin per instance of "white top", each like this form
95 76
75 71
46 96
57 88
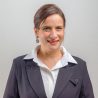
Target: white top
49 76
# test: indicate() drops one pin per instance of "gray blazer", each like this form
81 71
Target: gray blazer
25 81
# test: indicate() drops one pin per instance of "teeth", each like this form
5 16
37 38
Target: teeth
53 40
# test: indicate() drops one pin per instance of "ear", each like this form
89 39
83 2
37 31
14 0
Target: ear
36 31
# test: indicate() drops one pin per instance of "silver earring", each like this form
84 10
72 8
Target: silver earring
37 40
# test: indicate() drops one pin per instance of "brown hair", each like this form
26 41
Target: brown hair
45 11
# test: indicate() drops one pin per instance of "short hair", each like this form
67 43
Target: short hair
45 11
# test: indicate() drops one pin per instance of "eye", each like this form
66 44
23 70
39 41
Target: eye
59 28
46 29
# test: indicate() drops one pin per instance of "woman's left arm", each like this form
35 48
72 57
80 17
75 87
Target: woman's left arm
86 89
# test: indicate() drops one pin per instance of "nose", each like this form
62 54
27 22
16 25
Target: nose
53 34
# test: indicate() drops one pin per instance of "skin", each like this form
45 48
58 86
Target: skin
51 35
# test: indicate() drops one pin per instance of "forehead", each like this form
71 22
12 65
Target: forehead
53 20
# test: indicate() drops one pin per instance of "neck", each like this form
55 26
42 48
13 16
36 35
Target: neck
49 58
50 54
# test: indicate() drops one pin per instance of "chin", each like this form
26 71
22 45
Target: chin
54 47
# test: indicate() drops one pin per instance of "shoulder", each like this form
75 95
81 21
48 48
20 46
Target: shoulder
19 61
19 58
79 60
81 64
19 64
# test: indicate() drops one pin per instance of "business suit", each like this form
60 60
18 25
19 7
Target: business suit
25 81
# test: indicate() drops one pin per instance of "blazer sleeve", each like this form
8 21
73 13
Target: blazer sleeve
86 89
11 90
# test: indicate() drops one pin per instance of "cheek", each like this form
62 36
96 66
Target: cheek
62 35
43 36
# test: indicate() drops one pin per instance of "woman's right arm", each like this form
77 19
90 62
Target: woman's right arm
11 90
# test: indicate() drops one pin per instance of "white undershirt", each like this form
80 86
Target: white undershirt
49 76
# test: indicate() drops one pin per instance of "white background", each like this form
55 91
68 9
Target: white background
17 36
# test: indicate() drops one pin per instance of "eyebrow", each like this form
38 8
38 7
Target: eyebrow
50 26
46 26
59 26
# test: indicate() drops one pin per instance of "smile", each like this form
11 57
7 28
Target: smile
53 42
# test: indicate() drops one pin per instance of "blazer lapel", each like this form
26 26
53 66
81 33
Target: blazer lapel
63 77
35 79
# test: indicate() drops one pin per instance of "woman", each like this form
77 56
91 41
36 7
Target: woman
49 71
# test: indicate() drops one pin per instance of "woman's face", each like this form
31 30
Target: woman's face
51 33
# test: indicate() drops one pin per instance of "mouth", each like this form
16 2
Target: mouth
53 42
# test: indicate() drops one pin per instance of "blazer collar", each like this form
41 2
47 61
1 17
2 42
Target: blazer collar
64 76
35 79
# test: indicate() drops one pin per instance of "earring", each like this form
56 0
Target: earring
37 40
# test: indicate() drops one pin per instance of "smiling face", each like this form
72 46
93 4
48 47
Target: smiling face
51 33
